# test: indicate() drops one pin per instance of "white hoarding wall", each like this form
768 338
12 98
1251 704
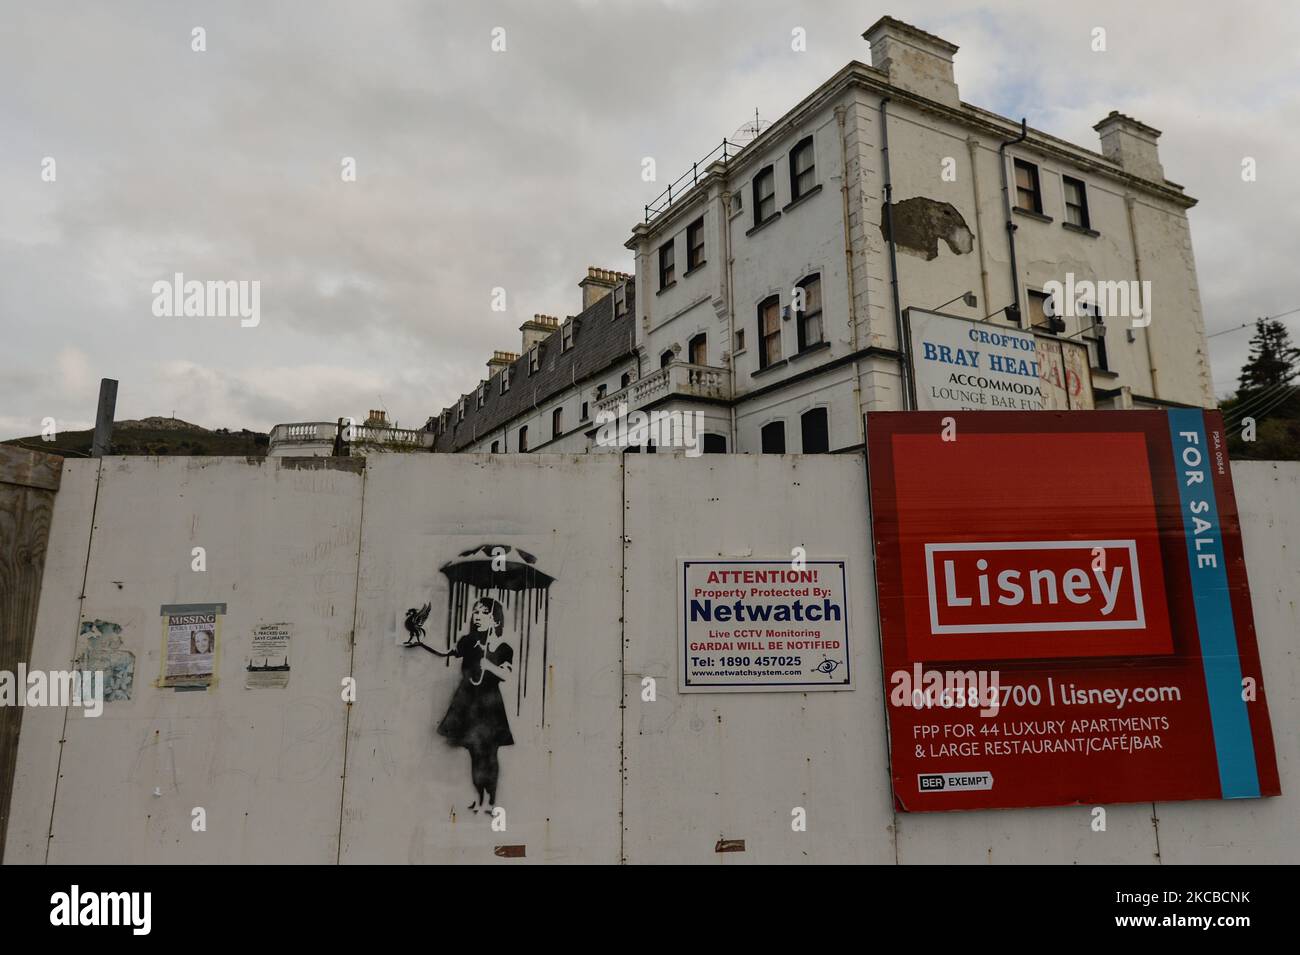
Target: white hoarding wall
353 578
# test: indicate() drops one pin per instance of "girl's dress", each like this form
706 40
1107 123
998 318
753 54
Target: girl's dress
476 716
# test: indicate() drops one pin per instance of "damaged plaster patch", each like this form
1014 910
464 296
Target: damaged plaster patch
921 223
356 465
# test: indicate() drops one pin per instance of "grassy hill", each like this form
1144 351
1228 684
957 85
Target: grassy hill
154 436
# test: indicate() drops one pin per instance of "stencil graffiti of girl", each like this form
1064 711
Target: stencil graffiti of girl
476 718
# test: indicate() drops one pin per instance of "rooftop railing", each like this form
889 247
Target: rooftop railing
724 152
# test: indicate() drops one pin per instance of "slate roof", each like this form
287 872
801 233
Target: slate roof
599 340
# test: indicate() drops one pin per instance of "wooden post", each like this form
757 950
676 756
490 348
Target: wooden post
103 440
28 482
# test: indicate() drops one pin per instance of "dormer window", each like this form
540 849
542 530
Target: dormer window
534 359
620 300
566 335
482 394
460 410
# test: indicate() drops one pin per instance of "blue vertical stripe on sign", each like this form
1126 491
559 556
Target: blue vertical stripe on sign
1233 742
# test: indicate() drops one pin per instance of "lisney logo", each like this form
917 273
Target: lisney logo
1027 586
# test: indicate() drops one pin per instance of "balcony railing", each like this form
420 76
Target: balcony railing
318 432
363 434
678 379
302 433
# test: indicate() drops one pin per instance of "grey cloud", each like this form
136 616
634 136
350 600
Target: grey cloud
518 170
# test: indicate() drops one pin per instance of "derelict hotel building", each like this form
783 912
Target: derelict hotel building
880 194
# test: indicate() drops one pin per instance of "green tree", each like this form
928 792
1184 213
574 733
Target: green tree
1267 405
1272 361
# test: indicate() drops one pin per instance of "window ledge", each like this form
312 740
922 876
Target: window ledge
1084 230
807 195
765 223
816 347
694 269
1104 373
770 368
665 288
1031 214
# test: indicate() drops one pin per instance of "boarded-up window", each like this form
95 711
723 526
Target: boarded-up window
1028 195
698 349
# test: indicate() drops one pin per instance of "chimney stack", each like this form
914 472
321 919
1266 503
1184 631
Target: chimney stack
1131 144
598 284
916 61
499 360
537 328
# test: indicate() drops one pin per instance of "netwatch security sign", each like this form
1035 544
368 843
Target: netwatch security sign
1065 616
763 625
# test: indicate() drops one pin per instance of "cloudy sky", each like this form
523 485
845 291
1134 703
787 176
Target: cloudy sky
519 169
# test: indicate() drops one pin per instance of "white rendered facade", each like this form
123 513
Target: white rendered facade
703 312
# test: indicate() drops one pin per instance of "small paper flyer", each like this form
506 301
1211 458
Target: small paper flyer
190 636
267 666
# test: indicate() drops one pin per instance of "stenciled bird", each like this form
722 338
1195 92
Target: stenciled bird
415 619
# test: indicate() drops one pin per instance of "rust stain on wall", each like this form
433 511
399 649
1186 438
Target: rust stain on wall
323 464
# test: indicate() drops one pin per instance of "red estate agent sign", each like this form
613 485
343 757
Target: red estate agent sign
1064 610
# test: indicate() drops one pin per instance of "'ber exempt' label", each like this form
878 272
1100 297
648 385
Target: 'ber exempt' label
763 625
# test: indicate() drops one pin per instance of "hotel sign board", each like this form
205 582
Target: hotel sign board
960 365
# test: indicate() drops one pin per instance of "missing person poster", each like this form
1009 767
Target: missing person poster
267 665
1065 617
190 636
748 625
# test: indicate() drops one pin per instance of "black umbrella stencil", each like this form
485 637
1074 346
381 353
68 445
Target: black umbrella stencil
512 577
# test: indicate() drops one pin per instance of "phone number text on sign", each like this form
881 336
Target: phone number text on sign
763 625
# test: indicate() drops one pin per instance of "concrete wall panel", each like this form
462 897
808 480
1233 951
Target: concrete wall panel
708 766
281 545
408 792
1258 830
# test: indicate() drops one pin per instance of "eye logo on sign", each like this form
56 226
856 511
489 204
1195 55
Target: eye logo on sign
1034 586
